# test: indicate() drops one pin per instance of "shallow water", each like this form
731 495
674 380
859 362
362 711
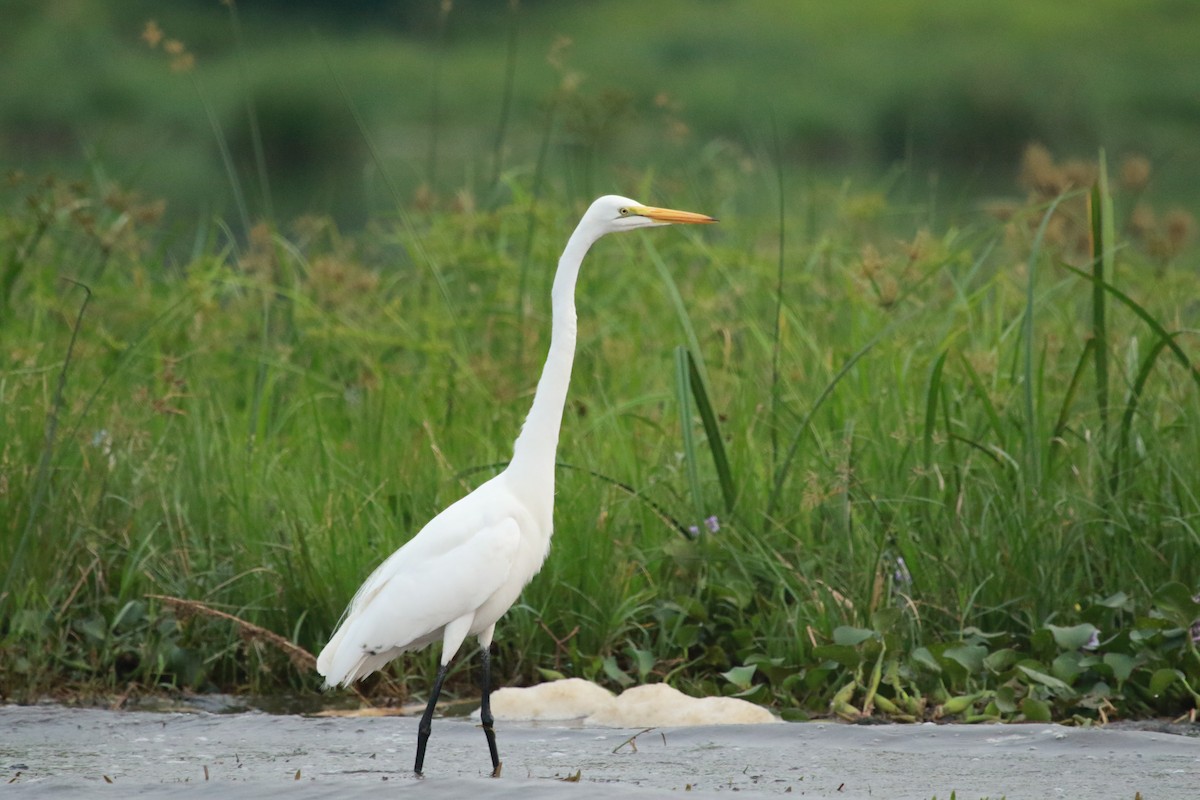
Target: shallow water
50 751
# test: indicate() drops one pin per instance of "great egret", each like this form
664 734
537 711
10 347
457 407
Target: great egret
467 566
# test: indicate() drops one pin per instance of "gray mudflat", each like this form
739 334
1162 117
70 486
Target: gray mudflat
49 751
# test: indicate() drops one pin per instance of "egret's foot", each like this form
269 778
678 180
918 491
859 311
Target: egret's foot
496 770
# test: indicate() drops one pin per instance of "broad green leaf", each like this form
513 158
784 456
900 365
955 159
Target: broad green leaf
755 694
643 660
614 672
887 620
923 657
741 676
1001 660
846 635
1035 710
1175 603
1074 637
550 674
843 654
1006 700
1066 667
1048 681
1118 600
1121 664
970 656
1161 680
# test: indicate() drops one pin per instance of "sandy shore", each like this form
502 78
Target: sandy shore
55 752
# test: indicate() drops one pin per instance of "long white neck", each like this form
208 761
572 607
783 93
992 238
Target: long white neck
534 452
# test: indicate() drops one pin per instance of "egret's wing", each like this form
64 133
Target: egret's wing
416 597
454 527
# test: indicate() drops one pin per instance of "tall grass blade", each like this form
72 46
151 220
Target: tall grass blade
794 447
685 321
713 431
1060 425
985 399
1032 458
1192 369
777 333
682 393
1102 235
932 391
1135 394
42 474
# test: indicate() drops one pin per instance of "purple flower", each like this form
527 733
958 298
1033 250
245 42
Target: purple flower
694 530
713 524
1093 641
902 576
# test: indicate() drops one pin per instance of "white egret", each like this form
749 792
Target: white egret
468 565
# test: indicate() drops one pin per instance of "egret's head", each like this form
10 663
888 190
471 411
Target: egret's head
614 213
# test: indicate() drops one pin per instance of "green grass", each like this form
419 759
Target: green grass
949 454
921 509
840 89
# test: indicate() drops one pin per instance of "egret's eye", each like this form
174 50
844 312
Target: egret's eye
624 212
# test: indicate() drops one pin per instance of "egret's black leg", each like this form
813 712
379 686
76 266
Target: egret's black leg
427 719
485 712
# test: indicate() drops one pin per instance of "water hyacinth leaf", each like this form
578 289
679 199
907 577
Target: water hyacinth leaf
819 676
1001 660
1035 710
1006 700
614 672
93 627
1042 643
970 656
1121 665
741 676
973 635
1162 679
924 658
887 620
1049 681
1067 667
847 635
757 693
1119 600
773 669
687 636
643 660
842 654
1175 602
1074 637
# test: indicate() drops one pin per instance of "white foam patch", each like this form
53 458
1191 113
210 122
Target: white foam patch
653 705
570 698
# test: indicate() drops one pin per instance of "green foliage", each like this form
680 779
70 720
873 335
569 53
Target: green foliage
950 528
838 82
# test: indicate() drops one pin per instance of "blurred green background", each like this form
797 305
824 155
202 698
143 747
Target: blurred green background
457 97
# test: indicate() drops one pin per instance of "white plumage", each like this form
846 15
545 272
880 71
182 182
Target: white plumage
468 565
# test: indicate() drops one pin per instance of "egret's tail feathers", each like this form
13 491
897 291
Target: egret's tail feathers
345 660
362 666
